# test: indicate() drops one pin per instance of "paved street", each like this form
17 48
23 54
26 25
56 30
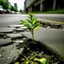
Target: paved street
53 38
9 19
53 17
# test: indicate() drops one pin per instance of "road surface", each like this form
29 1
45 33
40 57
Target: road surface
9 19
51 37
53 17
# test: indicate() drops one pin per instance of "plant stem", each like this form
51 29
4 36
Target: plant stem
33 36
24 57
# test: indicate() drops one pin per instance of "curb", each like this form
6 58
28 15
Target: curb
51 51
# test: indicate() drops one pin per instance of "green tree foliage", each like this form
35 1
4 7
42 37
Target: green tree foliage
20 10
13 9
4 4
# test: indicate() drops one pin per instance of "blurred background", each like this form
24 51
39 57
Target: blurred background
11 6
35 6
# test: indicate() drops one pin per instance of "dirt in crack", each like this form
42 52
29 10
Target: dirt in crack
33 54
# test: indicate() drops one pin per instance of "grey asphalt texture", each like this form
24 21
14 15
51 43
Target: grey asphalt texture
53 17
10 19
51 38
5 41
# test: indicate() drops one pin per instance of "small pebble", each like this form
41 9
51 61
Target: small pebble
8 57
0 55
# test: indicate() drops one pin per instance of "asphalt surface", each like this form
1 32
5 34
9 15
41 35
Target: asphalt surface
50 37
53 17
10 19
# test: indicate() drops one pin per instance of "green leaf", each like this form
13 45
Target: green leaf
31 62
27 62
30 29
34 21
24 22
43 60
29 21
37 24
31 14
36 27
16 63
27 24
29 17
23 59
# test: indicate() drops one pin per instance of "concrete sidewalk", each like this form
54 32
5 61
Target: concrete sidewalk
51 38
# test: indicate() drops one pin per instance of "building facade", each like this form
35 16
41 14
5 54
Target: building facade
15 5
42 5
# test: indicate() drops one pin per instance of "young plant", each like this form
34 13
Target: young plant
31 23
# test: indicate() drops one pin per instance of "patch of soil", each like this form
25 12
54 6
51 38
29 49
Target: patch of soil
33 52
